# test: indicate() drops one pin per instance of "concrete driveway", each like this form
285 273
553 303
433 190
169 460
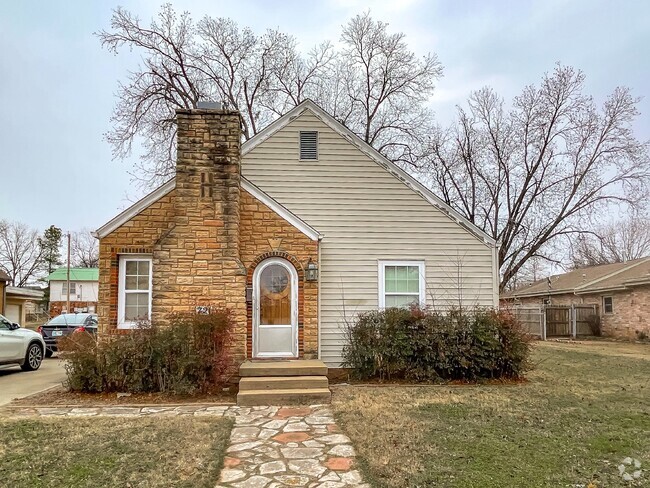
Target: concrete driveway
16 383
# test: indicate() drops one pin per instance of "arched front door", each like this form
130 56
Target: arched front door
275 309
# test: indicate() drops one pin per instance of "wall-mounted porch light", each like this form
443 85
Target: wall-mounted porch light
311 271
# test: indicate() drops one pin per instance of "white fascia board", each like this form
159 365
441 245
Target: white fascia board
373 154
280 210
135 209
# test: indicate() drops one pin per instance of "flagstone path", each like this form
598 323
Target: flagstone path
270 447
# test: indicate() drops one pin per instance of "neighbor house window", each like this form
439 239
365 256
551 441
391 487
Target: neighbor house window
308 145
401 284
73 288
134 300
608 304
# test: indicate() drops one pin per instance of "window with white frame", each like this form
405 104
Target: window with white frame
134 300
401 284
73 288
608 304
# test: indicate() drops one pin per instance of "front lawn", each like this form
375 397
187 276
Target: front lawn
112 452
584 410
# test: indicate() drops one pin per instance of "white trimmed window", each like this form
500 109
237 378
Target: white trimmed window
73 288
134 299
401 284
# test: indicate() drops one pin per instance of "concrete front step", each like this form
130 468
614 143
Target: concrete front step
288 367
305 396
264 383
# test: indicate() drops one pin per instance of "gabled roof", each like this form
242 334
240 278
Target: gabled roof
369 151
591 279
265 134
76 274
26 293
123 217
164 189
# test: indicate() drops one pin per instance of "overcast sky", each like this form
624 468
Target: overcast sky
57 85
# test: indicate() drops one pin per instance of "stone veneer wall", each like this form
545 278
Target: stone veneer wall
206 236
631 313
265 234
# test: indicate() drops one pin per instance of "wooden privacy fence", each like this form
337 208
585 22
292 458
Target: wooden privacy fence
556 321
531 319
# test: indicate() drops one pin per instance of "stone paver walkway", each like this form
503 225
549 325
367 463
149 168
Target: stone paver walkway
270 447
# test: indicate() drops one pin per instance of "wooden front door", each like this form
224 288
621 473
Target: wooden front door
275 309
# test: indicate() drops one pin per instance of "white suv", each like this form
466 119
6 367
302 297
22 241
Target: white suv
20 346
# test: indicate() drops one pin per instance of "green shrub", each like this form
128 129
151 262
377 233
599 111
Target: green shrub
432 346
187 356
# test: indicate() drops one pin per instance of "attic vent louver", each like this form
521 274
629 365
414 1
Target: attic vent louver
308 145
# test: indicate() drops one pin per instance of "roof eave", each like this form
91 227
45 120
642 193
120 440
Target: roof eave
541 293
373 154
134 209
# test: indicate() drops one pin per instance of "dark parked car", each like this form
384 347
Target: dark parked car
64 325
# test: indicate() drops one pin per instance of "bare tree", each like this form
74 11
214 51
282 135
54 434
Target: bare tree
375 84
530 175
386 86
20 252
84 250
615 242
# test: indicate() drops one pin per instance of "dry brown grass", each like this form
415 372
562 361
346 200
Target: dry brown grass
112 452
584 409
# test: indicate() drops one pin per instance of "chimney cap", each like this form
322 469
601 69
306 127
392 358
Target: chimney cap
209 105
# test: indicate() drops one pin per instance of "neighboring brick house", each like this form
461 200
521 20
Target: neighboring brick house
83 293
620 290
295 231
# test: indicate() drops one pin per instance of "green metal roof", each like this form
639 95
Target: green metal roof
76 274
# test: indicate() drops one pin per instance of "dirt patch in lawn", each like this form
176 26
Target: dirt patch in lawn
61 396
583 411
112 452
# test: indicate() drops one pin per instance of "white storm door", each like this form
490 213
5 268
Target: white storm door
275 310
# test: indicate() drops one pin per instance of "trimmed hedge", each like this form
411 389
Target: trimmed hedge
425 345
187 356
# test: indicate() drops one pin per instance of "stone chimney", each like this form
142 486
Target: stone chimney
197 260
208 178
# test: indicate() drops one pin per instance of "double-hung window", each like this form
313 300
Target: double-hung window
134 300
401 284
73 288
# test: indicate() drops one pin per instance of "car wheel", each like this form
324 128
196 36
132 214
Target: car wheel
33 358
49 352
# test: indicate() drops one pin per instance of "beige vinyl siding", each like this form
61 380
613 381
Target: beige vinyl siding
366 215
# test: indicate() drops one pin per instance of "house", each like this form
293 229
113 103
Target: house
84 290
20 302
4 279
296 231
621 291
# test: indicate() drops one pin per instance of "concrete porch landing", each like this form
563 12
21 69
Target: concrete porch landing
283 382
